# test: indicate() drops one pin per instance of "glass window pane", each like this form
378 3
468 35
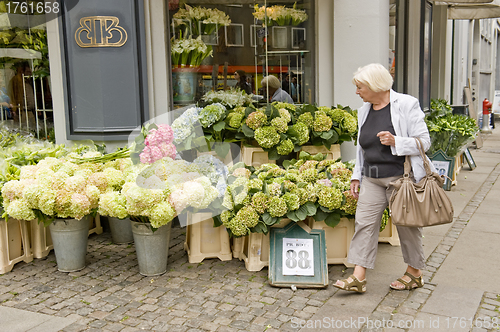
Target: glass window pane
219 46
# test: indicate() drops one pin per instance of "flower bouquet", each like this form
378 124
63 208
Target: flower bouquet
189 52
231 98
203 21
279 15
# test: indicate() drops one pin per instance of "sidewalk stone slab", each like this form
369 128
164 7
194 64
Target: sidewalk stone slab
453 301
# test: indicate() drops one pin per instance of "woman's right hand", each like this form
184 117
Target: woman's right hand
355 188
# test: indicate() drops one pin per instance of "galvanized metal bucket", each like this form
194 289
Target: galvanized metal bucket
151 248
121 230
69 237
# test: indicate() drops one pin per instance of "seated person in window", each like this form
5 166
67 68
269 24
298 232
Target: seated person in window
272 84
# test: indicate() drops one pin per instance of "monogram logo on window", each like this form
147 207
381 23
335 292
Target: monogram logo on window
100 31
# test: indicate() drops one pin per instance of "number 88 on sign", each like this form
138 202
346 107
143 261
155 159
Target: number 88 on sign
298 257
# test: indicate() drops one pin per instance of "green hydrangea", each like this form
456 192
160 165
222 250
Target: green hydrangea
309 175
337 114
113 204
307 119
260 202
249 216
19 209
280 125
330 197
276 172
343 174
225 216
235 120
262 176
308 165
285 115
237 227
161 214
211 114
302 131
267 137
274 189
294 177
322 122
277 207
350 123
350 203
255 184
288 106
289 185
307 194
256 120
325 163
292 201
285 147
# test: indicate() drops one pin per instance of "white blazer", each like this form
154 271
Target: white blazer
408 122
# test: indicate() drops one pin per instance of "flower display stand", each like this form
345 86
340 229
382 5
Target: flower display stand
338 239
14 244
95 225
237 247
203 240
332 153
255 156
389 234
255 248
41 241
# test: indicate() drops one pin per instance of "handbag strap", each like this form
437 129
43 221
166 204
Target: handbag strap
407 165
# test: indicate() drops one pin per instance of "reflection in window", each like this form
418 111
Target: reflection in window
25 98
275 44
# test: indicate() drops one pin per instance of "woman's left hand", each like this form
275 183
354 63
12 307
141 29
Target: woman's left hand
386 138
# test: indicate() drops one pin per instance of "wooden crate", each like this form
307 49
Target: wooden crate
389 234
15 244
255 247
203 240
458 166
41 241
332 153
338 239
255 156
95 225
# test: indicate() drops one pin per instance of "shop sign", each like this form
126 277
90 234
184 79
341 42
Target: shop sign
100 31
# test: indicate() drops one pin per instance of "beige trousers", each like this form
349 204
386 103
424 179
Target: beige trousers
374 197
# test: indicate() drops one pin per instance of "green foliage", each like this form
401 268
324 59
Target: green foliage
448 132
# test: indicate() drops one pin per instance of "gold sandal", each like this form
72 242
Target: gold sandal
415 282
355 285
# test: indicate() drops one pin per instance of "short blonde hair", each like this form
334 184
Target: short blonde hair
375 76
271 81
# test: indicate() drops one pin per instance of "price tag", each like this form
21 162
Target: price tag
298 257
442 168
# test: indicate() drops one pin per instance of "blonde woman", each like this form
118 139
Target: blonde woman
388 122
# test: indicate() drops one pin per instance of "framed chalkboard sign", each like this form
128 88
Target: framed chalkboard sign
444 166
297 257
470 160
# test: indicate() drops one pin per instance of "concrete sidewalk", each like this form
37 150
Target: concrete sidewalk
461 292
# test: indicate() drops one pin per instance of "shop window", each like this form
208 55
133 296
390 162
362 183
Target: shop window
25 98
214 40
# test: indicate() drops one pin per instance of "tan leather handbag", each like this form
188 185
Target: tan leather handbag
420 204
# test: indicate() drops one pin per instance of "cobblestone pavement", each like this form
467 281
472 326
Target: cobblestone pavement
111 295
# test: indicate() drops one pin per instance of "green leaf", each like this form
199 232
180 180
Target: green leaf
321 215
273 154
286 164
301 214
292 216
217 221
248 111
219 126
247 131
222 149
259 228
325 209
311 208
333 219
327 134
267 219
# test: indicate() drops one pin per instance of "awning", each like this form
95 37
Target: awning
472 9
